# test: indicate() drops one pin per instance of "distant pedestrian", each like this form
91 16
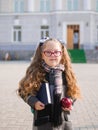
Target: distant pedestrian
76 40
7 56
48 80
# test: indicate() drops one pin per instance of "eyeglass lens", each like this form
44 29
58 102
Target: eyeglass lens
55 53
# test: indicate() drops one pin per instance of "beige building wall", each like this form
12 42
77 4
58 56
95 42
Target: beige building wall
6 6
93 5
81 7
37 5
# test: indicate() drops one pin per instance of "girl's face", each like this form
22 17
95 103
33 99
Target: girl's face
52 53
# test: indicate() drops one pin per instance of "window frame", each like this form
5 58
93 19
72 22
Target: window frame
72 5
18 6
96 5
17 33
44 31
44 5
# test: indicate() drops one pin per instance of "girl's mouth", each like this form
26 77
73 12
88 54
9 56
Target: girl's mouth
52 59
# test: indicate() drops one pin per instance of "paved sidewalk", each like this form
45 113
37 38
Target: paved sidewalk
16 115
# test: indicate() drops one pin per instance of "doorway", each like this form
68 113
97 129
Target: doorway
73 36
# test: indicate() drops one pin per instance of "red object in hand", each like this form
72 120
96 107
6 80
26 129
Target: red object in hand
66 102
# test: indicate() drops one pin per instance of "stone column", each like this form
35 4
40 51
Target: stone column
87 4
30 5
58 5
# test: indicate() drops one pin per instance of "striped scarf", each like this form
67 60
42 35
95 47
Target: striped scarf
56 82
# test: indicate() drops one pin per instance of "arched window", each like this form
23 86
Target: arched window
44 5
18 6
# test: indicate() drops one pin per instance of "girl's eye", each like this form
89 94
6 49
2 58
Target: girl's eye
48 52
56 52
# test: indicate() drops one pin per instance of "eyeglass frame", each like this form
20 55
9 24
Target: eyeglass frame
52 52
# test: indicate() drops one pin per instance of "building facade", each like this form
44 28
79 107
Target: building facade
75 22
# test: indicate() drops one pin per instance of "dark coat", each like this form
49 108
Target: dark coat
42 118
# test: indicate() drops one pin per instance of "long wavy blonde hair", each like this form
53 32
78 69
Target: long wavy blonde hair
35 74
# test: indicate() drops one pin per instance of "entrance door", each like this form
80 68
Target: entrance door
73 36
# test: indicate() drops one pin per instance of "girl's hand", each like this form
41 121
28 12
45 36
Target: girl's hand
39 105
67 109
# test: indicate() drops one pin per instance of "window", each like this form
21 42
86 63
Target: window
69 5
97 33
96 5
18 6
75 4
44 5
44 31
72 5
17 33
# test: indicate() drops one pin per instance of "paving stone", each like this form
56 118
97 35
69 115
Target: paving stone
15 114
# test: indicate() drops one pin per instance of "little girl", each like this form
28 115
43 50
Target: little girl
48 79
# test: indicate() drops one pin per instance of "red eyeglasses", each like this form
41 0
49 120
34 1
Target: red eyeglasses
55 53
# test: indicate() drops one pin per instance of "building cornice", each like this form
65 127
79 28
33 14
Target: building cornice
49 13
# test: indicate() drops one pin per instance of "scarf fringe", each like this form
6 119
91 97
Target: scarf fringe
57 119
